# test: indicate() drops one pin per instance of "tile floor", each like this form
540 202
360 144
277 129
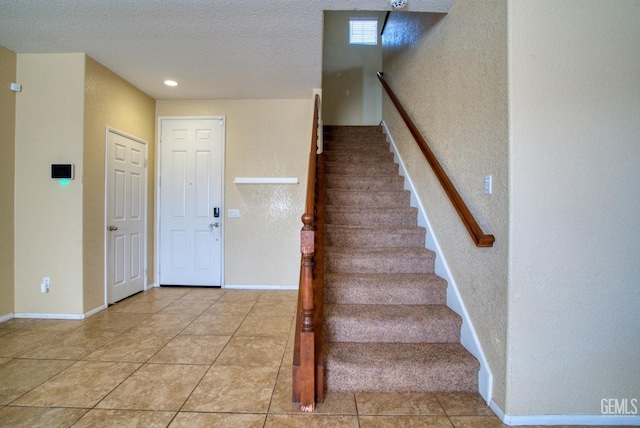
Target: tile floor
189 357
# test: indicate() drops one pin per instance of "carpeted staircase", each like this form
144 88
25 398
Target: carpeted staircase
387 326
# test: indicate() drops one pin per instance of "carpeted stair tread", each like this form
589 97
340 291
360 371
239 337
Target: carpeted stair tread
400 367
351 128
334 149
379 260
367 198
346 143
373 182
369 236
341 132
391 323
358 157
369 168
342 141
380 216
381 288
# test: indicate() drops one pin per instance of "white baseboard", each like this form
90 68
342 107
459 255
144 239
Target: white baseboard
468 336
60 316
95 311
6 317
49 316
585 420
260 287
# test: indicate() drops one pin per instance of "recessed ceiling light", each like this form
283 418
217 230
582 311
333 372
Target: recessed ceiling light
171 83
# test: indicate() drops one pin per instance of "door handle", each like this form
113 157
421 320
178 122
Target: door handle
212 225
113 228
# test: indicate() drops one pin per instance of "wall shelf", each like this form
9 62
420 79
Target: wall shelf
265 180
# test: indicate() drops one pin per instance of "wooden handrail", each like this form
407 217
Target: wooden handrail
308 383
478 236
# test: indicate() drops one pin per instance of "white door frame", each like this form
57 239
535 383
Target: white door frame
106 201
157 201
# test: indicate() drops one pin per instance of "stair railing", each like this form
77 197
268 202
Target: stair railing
308 371
478 236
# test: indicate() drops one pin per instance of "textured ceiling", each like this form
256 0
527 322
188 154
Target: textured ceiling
243 49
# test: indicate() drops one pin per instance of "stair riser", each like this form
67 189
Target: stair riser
355 143
366 169
379 263
339 129
446 378
358 157
401 289
374 237
357 217
364 183
356 198
358 136
399 295
360 153
367 331
399 367
359 148
342 131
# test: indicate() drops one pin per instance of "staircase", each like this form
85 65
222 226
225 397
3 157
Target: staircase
387 326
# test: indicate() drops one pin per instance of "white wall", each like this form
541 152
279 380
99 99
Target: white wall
574 295
264 138
48 215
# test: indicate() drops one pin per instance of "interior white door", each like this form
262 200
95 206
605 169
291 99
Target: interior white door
191 168
125 211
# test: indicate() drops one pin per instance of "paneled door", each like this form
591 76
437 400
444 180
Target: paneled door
125 215
191 171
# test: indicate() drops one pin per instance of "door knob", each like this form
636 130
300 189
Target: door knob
113 227
212 225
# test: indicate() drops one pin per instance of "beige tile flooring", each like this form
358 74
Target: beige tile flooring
189 357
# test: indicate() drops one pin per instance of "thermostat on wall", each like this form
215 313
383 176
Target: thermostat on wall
62 170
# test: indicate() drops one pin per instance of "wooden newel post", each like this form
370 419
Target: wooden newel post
307 339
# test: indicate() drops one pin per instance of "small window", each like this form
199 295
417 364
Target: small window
363 31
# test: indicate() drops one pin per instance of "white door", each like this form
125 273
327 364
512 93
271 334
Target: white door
125 211
191 168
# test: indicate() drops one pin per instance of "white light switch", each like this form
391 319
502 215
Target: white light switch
234 213
488 185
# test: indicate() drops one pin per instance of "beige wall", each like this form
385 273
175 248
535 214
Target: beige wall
264 138
574 318
48 215
8 61
555 302
351 92
110 101
450 72
62 113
